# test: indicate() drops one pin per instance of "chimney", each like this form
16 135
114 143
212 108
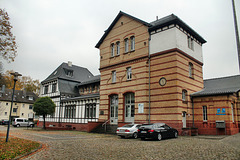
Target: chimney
157 17
69 64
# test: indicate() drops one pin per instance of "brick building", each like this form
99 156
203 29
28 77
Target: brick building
217 106
149 72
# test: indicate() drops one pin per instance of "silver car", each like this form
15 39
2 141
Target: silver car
23 122
128 130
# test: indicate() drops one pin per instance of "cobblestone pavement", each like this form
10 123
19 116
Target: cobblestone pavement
80 145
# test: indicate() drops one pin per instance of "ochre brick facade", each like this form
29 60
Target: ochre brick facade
215 106
164 49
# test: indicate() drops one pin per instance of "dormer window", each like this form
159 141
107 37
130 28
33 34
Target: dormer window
68 72
30 98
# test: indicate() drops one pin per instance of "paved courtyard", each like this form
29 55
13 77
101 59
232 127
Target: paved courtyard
81 145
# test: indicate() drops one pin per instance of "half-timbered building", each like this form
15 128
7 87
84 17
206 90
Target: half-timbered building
75 91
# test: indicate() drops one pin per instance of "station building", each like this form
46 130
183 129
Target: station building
152 72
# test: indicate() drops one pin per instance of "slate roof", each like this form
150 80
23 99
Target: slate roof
68 87
93 79
218 86
19 96
79 73
165 21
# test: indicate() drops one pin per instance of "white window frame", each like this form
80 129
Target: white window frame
205 118
190 43
132 43
114 76
126 45
190 65
112 50
129 73
232 108
118 48
184 95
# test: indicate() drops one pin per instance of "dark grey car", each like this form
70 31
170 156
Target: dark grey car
156 131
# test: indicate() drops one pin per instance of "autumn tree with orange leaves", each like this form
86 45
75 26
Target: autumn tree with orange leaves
24 82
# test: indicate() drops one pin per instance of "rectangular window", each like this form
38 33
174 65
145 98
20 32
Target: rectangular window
112 50
190 65
204 113
126 45
46 89
70 111
14 110
190 43
184 93
30 107
54 87
5 113
90 110
129 73
132 43
113 76
232 107
118 48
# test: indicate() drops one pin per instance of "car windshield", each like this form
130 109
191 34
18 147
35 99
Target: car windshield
128 125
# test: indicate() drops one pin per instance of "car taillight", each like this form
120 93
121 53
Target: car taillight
138 130
118 130
127 130
151 130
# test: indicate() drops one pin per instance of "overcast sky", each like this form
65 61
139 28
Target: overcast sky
49 32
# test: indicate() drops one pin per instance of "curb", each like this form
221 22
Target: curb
26 154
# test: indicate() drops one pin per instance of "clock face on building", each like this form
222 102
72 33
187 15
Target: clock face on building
162 81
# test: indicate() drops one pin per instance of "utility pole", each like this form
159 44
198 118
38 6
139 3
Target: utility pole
236 31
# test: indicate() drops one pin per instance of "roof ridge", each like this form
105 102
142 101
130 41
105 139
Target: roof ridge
222 77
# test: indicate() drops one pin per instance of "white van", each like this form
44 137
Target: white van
23 122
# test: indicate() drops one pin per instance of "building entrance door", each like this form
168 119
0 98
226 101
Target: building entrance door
184 119
129 107
114 109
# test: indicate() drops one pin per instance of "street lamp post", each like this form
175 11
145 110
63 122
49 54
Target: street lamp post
16 74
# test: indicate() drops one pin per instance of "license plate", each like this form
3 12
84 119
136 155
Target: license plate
143 131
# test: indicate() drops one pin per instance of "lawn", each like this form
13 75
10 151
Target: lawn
15 147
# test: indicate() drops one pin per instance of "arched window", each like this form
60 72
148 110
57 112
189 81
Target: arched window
132 43
126 45
129 107
112 50
184 95
190 70
118 48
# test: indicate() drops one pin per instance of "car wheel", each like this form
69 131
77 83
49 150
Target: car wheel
135 136
31 125
18 125
159 137
142 139
175 134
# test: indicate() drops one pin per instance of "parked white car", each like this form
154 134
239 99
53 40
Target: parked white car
22 122
128 130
